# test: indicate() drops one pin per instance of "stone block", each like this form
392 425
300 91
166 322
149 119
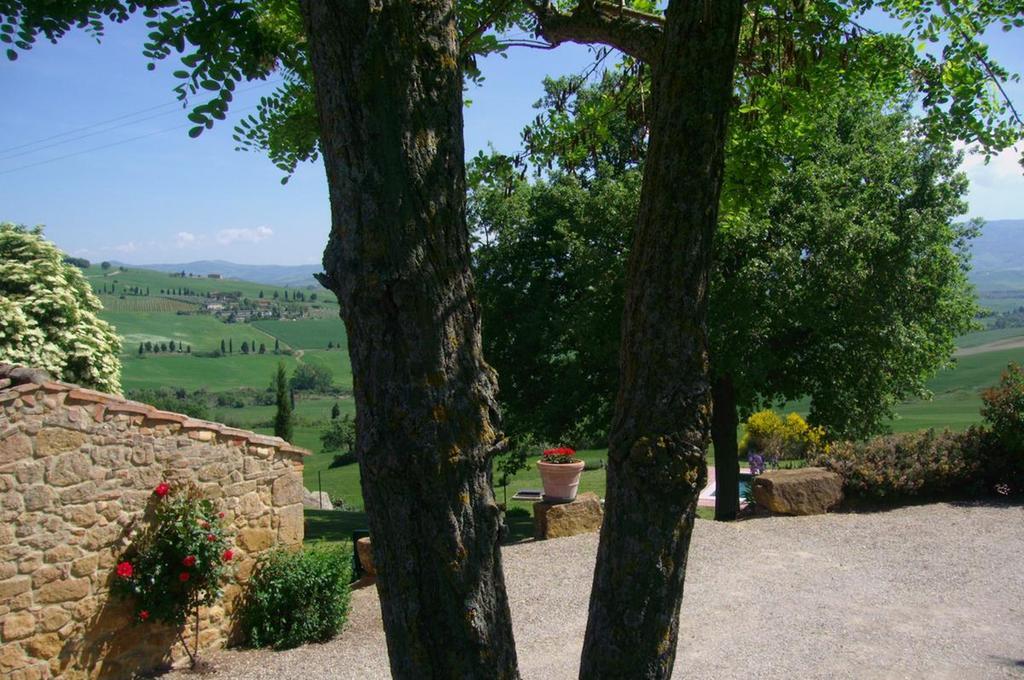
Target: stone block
581 516
68 469
68 590
287 490
53 618
54 440
12 657
18 626
291 528
39 497
255 540
45 646
805 491
85 566
9 588
14 446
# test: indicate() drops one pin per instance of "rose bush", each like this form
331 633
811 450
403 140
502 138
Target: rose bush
179 562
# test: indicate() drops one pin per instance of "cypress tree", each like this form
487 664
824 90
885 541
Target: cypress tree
283 416
223 349
335 411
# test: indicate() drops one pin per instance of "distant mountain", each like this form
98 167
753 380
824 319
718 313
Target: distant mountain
998 256
300 275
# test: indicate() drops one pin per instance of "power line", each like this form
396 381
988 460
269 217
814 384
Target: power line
105 146
106 122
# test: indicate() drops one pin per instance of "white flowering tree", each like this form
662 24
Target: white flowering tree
49 316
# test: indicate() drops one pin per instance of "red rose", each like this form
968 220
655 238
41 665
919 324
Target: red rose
125 570
204 524
211 538
228 555
183 576
143 615
162 489
221 515
189 561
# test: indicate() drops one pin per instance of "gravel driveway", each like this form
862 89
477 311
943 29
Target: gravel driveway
933 591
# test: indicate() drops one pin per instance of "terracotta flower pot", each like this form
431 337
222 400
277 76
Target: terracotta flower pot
561 480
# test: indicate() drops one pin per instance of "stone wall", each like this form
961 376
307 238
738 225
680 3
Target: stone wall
77 469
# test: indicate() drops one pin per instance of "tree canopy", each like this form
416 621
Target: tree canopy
49 316
842 280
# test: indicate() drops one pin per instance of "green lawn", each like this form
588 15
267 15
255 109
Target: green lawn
219 374
306 333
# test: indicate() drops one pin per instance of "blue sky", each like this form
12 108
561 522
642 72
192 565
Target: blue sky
155 195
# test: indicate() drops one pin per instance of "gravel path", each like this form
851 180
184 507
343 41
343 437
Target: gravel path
932 591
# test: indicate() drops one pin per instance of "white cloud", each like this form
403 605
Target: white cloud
1003 169
228 236
996 186
184 239
129 247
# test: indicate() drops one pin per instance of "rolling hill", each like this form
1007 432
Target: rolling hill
997 255
300 275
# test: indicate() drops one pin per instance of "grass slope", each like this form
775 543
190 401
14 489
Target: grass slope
193 373
202 331
306 333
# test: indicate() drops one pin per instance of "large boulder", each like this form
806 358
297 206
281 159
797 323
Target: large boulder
556 520
316 500
805 491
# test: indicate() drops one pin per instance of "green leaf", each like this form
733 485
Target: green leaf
12 55
196 131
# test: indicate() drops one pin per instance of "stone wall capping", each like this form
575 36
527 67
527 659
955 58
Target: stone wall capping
167 417
130 407
83 395
193 424
267 440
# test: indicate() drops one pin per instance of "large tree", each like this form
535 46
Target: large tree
844 282
387 77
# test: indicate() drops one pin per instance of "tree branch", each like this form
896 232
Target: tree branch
632 32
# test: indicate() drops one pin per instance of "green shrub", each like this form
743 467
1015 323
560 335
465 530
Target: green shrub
298 597
913 464
1003 411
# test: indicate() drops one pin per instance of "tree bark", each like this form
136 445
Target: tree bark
724 422
389 97
659 434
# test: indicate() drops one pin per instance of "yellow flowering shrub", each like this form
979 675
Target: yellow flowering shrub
787 438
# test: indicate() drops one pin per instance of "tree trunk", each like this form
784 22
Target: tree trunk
659 434
724 422
389 98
